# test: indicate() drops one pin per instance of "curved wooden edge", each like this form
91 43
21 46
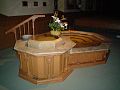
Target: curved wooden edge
70 32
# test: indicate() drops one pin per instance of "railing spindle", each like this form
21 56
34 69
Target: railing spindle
28 27
24 29
33 31
15 35
20 31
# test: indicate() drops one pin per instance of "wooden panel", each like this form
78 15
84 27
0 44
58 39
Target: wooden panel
43 69
23 64
88 58
102 56
63 62
56 70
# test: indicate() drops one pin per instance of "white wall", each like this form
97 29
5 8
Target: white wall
15 8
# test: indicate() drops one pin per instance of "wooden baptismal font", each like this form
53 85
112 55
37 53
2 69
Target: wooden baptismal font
46 59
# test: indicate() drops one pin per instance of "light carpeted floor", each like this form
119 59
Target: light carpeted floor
99 77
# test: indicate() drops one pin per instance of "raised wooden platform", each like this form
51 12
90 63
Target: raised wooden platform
90 49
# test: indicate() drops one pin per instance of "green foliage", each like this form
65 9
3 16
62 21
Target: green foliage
55 26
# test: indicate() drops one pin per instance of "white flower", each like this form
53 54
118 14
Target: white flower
57 20
61 24
53 17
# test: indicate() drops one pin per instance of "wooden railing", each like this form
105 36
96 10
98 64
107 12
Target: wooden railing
25 27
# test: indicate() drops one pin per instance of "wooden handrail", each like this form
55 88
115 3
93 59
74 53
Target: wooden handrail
23 24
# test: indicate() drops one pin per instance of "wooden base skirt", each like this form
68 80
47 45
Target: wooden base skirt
44 69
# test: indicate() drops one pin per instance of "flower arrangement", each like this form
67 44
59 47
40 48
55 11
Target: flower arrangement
56 24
